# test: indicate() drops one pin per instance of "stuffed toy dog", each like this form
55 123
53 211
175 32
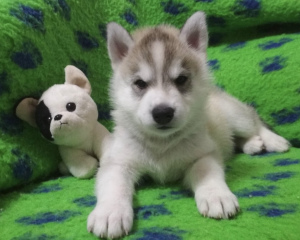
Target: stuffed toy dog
67 116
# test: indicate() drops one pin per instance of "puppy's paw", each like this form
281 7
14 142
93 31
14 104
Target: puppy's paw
217 203
253 145
275 143
110 221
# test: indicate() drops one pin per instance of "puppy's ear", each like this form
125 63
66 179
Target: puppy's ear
76 77
25 110
194 32
119 42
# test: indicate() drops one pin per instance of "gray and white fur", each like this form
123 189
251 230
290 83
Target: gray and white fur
171 123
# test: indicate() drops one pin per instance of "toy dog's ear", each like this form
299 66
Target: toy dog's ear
76 77
25 110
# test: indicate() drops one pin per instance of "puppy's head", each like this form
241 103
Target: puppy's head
160 76
65 113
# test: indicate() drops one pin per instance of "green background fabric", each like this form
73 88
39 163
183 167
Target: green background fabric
253 54
267 187
39 38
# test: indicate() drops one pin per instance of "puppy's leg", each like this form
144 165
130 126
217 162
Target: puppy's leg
250 145
265 139
272 141
113 214
213 197
252 136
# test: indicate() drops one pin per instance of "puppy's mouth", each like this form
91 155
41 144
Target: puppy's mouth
164 128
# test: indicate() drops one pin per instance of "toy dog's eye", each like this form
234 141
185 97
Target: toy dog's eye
71 107
47 120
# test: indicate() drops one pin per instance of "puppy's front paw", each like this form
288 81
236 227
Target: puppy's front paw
110 220
216 203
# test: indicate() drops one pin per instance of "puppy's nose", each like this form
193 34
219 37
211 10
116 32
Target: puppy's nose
163 114
57 117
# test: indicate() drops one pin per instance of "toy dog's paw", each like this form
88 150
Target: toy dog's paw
110 220
217 203
84 168
253 145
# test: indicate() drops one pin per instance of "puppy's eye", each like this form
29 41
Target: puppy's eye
141 84
181 80
71 107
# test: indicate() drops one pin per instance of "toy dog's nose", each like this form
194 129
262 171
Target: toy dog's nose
57 117
163 114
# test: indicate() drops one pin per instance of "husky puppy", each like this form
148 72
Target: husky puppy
171 123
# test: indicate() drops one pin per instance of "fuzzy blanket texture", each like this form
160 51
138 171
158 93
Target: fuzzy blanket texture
253 54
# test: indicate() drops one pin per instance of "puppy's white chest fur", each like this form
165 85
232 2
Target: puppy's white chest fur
164 160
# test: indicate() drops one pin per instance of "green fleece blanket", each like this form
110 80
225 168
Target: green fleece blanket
39 38
253 54
267 187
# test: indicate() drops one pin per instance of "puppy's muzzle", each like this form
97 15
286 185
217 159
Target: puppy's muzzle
163 114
